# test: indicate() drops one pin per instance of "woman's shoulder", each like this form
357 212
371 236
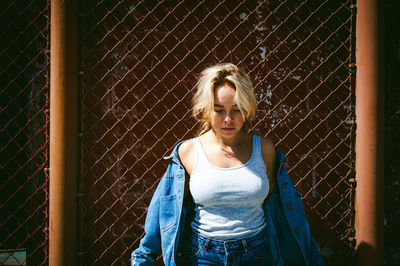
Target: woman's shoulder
268 150
267 144
186 154
185 148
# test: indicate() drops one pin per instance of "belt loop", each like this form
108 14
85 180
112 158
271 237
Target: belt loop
206 245
245 246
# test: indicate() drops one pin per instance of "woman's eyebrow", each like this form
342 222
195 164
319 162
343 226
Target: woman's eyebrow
218 105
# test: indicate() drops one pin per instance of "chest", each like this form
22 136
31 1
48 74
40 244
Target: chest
214 187
227 158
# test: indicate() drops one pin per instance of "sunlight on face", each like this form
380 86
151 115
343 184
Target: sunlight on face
226 119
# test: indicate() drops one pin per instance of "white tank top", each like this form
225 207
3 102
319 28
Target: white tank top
229 201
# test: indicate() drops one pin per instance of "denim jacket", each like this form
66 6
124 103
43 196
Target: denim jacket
168 217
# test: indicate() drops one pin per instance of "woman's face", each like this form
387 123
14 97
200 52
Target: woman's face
226 119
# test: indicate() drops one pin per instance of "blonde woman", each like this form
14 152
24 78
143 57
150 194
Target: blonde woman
226 198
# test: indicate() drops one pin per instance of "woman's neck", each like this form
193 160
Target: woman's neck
235 141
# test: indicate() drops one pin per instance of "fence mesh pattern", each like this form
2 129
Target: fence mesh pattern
24 78
140 60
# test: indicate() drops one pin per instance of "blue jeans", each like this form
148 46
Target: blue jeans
252 251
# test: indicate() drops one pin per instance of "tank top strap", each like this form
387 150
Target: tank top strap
257 151
256 146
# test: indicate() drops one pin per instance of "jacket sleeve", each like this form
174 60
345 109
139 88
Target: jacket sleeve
286 221
150 244
316 257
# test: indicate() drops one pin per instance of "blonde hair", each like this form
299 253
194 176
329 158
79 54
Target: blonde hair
209 80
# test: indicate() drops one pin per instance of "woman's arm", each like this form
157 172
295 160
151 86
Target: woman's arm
269 156
187 157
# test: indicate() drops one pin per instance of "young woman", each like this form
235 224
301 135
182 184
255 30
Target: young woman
226 198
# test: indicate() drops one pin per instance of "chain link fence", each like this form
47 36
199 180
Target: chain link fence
24 78
140 60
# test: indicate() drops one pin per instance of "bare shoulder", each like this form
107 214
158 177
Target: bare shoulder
187 155
268 151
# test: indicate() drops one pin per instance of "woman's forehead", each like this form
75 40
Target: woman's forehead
224 94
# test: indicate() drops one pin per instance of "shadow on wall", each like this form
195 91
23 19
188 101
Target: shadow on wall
364 253
337 253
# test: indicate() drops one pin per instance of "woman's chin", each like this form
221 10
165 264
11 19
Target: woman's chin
228 132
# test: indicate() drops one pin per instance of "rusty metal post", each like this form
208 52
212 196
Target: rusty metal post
63 132
369 134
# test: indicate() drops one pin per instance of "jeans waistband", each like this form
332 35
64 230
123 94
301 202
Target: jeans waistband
228 245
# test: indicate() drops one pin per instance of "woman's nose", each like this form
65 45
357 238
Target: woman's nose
228 118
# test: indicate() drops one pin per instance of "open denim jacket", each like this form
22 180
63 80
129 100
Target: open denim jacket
168 214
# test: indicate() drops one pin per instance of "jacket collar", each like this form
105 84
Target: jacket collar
280 156
174 154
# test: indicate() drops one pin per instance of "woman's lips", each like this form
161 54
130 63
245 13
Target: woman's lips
228 129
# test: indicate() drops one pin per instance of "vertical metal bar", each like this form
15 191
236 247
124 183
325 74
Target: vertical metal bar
63 132
369 135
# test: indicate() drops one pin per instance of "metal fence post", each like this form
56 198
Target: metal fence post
369 135
63 133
